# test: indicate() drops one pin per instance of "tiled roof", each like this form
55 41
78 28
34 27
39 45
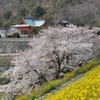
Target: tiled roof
34 22
64 21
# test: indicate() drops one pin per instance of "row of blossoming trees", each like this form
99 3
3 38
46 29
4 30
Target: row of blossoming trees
52 53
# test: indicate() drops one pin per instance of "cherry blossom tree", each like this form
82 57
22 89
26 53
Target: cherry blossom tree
58 50
52 53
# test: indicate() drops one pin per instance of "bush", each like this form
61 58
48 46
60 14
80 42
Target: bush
78 24
4 80
15 35
39 11
35 30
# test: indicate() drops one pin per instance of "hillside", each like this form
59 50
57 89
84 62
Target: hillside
87 88
79 12
72 83
52 53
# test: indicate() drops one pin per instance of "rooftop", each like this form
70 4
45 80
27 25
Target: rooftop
64 21
20 25
34 22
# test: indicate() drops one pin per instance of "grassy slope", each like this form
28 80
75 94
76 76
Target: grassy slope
55 83
0 96
87 88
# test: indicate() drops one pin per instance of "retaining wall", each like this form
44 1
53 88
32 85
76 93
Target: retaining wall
13 45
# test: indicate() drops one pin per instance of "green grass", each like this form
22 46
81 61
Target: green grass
0 96
5 60
47 87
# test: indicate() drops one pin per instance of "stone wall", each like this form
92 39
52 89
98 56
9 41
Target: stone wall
13 45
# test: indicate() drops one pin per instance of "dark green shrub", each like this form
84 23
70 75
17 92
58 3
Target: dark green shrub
39 11
4 80
15 35
78 24
35 30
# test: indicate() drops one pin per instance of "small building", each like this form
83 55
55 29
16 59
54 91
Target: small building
26 24
64 22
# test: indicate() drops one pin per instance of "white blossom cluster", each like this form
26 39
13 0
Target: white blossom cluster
53 52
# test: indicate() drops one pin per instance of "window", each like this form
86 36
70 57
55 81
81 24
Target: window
25 31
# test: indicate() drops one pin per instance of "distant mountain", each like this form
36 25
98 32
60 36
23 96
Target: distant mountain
79 12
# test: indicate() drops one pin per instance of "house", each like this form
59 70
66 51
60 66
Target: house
64 22
26 24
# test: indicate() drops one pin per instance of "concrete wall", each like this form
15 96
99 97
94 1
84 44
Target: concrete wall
13 45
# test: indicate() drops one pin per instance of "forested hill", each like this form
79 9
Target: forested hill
80 12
